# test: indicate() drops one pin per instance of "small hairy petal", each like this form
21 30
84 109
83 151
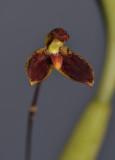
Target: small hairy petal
77 68
38 67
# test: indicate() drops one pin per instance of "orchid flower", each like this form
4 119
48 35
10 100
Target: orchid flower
58 56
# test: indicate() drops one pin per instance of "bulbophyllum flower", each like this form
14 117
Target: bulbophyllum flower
56 55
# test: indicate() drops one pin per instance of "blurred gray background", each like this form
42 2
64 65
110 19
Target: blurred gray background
23 25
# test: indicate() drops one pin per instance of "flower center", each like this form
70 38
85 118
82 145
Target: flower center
54 46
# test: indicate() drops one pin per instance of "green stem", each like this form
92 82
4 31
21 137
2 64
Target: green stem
107 84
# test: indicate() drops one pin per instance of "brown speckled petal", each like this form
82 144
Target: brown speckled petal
38 68
78 69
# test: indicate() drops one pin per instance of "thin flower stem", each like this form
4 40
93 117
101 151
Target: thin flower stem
31 114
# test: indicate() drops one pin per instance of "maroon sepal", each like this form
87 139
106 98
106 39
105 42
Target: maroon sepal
57 33
38 67
77 68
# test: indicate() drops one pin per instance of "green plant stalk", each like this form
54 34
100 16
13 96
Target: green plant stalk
108 79
87 136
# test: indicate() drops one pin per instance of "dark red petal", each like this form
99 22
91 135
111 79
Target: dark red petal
38 67
77 69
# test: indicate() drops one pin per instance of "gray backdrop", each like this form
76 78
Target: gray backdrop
23 25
